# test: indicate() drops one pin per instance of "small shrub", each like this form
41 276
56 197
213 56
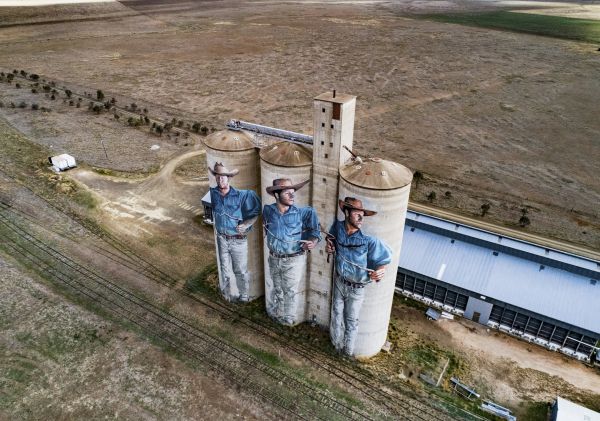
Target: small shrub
204 130
34 77
12 105
35 106
99 95
524 221
46 88
17 85
52 97
71 103
33 91
448 194
96 109
196 127
78 105
485 208
431 196
23 73
146 120
1 104
22 104
133 106
116 116
68 93
113 101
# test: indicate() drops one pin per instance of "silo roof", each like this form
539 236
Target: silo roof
376 173
286 154
229 140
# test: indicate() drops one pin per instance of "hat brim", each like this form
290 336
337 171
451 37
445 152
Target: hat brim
274 189
343 205
227 174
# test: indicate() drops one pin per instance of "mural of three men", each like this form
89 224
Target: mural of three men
291 232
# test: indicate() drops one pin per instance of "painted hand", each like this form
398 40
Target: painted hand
241 228
329 247
377 275
309 245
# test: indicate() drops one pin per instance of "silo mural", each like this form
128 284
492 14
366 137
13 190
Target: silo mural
233 177
286 163
378 190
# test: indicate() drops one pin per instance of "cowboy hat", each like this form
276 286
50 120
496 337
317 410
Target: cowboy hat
221 169
356 204
280 184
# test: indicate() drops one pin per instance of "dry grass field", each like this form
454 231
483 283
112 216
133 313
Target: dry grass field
490 116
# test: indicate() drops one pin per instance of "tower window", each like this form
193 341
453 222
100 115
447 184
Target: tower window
323 109
322 124
331 144
322 143
337 111
324 180
326 156
332 126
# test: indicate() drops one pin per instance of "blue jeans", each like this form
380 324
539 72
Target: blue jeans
347 301
282 299
233 259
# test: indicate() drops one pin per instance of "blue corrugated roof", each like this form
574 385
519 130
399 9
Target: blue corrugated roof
514 279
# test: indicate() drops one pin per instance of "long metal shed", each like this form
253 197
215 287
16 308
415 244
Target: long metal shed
543 295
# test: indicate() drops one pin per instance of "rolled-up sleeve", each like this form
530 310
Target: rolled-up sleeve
379 253
310 224
250 205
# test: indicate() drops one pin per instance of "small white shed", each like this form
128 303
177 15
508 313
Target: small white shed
62 162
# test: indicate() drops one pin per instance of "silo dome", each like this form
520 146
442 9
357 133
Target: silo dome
383 187
229 140
377 174
286 154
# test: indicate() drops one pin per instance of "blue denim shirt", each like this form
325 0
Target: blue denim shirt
236 206
284 230
360 249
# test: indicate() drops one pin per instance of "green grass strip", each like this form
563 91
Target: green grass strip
552 26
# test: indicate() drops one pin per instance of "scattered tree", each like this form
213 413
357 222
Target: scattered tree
448 194
15 71
46 88
431 196
196 127
97 109
146 120
204 130
17 85
180 123
34 77
417 177
71 103
133 106
10 77
35 107
52 97
22 104
33 91
485 208
113 100
117 116
145 110
23 73
168 127
159 129
99 95
78 104
524 221
68 93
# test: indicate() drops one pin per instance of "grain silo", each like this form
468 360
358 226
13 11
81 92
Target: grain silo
236 150
383 186
286 160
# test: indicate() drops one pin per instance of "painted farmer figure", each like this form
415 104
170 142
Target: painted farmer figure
290 233
359 260
234 212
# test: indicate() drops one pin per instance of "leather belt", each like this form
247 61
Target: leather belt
233 237
351 284
281 256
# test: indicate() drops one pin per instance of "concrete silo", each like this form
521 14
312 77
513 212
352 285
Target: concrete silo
236 150
384 187
286 160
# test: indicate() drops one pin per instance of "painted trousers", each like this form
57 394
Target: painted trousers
345 310
282 299
233 260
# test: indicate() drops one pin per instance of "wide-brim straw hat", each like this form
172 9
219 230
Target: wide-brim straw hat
356 204
221 169
280 184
